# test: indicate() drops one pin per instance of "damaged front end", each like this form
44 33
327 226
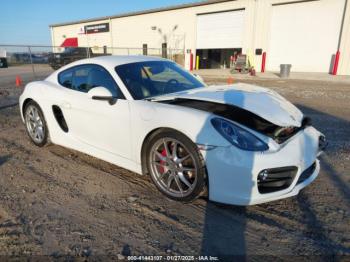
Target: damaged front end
280 134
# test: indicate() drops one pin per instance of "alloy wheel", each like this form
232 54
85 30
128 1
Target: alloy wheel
34 124
173 167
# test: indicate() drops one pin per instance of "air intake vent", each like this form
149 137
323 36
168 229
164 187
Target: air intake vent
60 118
307 173
275 179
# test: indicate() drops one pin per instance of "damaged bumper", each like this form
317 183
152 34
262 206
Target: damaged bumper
246 178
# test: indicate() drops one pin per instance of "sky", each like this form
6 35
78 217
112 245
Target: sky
26 22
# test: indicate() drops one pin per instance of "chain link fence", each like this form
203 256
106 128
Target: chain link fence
37 62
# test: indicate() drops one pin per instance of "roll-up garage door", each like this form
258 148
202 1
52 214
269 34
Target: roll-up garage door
305 34
220 30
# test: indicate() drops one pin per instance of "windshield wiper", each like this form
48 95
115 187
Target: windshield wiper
159 98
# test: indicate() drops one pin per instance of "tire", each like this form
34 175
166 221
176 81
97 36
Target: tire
35 124
181 164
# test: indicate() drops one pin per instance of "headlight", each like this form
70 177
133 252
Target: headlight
238 136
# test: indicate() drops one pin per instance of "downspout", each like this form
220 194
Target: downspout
337 56
111 35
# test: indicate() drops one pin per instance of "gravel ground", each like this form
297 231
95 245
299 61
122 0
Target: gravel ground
58 202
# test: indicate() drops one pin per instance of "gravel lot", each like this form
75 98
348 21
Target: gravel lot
58 202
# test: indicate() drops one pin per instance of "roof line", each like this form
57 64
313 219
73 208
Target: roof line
148 11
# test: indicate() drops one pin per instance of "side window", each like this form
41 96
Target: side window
65 78
98 76
80 79
85 77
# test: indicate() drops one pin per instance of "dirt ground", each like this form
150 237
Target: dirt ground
57 202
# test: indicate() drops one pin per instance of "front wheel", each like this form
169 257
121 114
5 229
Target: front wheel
176 165
35 124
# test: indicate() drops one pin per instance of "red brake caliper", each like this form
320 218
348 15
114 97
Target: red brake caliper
161 168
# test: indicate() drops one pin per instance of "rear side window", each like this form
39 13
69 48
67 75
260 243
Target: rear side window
80 79
65 78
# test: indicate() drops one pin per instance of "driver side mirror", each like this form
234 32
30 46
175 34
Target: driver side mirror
102 93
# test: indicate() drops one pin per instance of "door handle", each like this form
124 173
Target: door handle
66 105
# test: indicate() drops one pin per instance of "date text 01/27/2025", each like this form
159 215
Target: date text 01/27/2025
172 258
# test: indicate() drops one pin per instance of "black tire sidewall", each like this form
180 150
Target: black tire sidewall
46 132
201 172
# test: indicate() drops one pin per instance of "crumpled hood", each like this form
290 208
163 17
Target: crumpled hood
258 100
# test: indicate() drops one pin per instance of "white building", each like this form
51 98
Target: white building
306 34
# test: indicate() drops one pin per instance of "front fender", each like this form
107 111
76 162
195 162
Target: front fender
148 116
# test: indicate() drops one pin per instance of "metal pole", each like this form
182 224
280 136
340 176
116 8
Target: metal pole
31 61
263 62
191 61
88 45
336 62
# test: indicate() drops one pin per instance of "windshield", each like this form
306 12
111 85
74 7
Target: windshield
155 78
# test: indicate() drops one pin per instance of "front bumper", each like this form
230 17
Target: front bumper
233 173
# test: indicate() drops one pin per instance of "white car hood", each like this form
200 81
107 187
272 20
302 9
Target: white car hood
260 101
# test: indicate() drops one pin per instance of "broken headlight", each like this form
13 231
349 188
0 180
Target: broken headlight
238 136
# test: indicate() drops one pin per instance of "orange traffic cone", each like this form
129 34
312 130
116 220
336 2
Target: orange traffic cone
230 80
18 81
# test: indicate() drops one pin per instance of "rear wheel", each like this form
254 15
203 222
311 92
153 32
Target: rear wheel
35 124
175 165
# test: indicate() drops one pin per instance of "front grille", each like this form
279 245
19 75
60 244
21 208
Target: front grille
307 173
275 179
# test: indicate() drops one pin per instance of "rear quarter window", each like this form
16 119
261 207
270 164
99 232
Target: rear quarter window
65 78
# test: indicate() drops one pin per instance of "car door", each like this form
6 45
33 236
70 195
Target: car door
94 122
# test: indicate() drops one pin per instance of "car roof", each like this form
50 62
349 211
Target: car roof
108 62
113 61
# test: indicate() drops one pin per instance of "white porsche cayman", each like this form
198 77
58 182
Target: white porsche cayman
245 144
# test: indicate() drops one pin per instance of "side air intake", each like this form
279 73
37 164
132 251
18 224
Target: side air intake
57 112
